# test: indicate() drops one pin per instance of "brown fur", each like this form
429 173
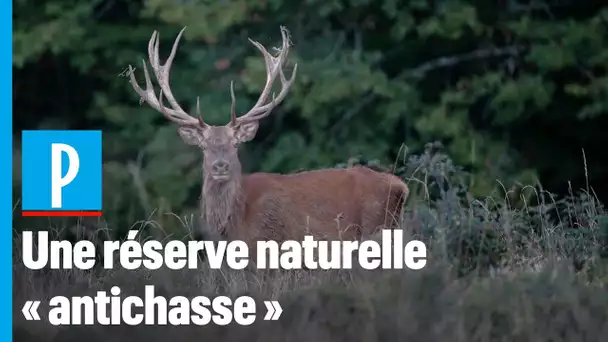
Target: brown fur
332 203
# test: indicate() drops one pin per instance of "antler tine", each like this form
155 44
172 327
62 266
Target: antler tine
233 120
274 67
161 72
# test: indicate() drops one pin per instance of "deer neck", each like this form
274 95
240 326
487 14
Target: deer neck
222 203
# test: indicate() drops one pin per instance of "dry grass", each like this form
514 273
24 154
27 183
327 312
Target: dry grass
542 297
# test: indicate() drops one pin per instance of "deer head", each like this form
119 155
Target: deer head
218 143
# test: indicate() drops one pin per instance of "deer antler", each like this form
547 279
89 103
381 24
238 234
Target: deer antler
161 72
274 67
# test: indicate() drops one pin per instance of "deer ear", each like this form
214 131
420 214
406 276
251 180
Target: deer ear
246 132
190 135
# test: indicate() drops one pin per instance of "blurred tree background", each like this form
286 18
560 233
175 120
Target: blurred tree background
514 90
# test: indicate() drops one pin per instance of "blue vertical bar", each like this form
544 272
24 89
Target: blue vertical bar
6 146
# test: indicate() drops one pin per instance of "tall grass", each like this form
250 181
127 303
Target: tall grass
523 266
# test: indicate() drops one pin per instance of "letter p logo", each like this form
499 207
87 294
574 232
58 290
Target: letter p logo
57 180
61 173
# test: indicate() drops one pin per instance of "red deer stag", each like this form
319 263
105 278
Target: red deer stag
331 203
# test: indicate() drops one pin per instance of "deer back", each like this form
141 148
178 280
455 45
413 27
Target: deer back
332 203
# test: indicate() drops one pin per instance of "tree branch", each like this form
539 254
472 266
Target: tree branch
448 61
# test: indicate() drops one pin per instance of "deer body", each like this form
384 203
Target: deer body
334 203
330 203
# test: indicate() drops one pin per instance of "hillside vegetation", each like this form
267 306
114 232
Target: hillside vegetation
494 273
